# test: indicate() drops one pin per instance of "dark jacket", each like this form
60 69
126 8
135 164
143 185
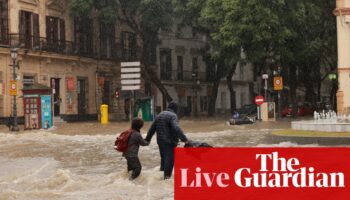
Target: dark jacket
167 128
134 143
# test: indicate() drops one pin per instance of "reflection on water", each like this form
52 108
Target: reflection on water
41 165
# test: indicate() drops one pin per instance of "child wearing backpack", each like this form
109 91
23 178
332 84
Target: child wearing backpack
132 151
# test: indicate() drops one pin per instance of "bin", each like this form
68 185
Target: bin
104 114
143 109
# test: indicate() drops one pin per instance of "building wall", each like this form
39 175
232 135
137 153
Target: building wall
45 65
343 31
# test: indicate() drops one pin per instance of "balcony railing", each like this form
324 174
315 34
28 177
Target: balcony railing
185 76
110 51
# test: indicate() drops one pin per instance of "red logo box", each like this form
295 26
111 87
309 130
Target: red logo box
262 173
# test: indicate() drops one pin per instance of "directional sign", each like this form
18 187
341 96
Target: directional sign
130 75
131 81
130 87
259 100
278 83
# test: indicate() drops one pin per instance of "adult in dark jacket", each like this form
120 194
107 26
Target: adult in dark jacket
134 142
168 135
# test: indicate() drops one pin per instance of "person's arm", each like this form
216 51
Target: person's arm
175 126
140 140
151 132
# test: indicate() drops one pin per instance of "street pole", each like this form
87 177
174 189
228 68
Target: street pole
265 77
14 76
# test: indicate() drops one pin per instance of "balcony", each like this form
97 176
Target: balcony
106 51
186 76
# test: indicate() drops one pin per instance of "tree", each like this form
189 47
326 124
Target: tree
206 16
144 17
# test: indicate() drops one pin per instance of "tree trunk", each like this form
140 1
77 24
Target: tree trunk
230 87
213 97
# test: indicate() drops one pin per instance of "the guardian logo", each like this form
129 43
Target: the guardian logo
274 172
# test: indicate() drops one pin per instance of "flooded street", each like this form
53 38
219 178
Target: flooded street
80 163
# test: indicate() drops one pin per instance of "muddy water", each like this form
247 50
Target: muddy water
43 165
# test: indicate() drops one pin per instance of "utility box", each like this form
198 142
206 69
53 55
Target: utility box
144 109
104 114
37 103
268 111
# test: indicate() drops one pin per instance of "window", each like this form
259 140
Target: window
165 64
83 36
4 22
195 65
128 41
29 29
241 71
55 29
55 34
204 103
180 66
107 40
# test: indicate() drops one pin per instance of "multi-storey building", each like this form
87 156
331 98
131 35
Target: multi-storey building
182 70
78 58
188 79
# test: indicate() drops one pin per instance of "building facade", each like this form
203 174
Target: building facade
79 59
182 70
188 79
342 13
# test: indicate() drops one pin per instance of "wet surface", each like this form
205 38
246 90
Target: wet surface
77 161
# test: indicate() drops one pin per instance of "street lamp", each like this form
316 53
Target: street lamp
14 55
265 77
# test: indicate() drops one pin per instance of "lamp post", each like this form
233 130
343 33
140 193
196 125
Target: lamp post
265 77
14 54
333 78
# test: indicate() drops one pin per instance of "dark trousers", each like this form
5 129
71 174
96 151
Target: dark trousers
166 159
134 165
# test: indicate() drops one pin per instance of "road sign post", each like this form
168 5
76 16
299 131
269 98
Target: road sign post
259 100
265 77
131 80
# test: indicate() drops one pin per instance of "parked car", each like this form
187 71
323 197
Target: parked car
303 110
247 110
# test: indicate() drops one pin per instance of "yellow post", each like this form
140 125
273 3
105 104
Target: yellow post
104 114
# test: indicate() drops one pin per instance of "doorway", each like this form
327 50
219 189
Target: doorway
55 86
81 86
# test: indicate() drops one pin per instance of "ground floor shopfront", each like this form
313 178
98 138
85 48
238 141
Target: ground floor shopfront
79 85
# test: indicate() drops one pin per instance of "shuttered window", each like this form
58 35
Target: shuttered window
29 34
107 41
128 41
83 35
4 22
55 29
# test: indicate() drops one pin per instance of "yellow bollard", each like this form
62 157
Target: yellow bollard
104 114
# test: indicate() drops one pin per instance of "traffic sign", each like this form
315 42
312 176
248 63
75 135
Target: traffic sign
259 100
13 88
130 75
278 83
